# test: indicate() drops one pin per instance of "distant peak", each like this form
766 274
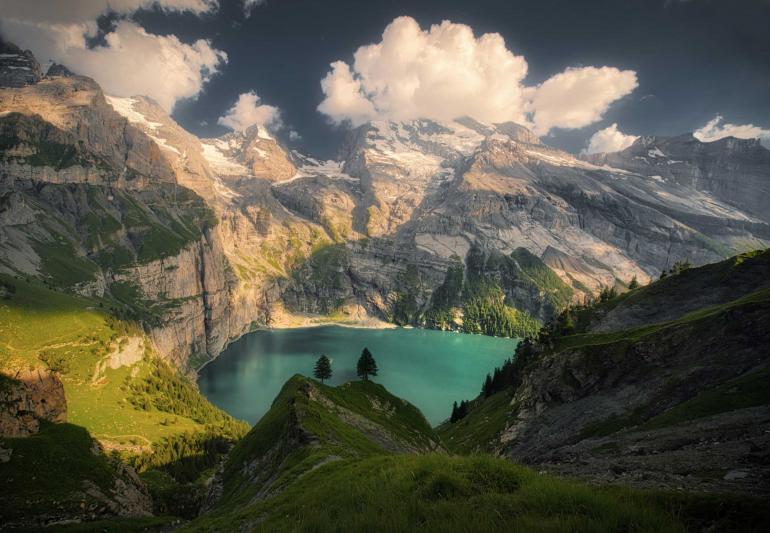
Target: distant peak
57 69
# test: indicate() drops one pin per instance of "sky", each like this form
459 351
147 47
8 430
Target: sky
589 75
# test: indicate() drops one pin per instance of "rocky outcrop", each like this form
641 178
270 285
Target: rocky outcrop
17 67
672 398
27 396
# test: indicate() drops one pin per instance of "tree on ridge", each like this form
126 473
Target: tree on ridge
366 365
323 368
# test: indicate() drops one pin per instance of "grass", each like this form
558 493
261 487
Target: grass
373 401
746 391
441 493
760 297
122 525
47 471
60 262
532 269
478 430
37 320
305 407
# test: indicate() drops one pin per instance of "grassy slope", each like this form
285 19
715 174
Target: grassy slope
441 493
73 330
365 488
479 428
726 281
39 323
308 425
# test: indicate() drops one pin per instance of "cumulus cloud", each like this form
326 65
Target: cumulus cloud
131 61
345 98
715 129
248 111
578 97
609 139
446 71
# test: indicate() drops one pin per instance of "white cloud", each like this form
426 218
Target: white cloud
715 130
73 11
249 5
609 139
131 61
578 97
248 111
344 96
446 72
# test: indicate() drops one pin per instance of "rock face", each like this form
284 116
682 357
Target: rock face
731 170
17 67
27 396
203 239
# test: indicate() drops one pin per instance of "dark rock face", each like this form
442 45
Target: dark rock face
27 396
17 67
582 412
59 70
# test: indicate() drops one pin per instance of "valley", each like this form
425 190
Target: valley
147 275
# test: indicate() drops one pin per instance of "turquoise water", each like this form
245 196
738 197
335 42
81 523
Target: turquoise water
429 368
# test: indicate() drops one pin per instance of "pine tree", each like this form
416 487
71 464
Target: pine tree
453 417
497 381
366 365
462 410
323 368
487 387
634 284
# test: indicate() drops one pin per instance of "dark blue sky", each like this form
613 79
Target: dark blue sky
693 58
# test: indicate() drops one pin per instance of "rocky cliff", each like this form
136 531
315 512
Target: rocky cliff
26 397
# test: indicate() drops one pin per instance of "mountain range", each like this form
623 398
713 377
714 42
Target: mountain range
218 236
132 252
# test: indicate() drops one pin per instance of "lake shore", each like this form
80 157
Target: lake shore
352 317
285 320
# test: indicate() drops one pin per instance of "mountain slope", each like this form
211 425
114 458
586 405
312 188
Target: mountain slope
662 386
205 239
356 458
731 170
85 402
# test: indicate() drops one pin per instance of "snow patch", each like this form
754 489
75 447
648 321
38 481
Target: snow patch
163 144
313 167
262 133
125 107
220 163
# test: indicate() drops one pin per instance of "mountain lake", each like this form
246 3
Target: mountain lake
429 368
